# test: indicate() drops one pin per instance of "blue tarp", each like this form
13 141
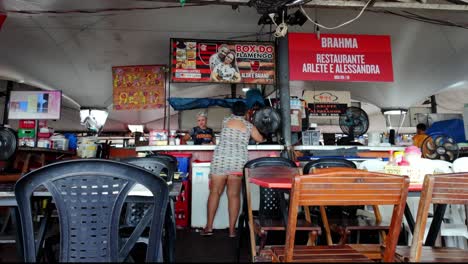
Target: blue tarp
453 128
193 103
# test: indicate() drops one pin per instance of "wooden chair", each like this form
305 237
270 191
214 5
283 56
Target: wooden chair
269 217
440 189
338 186
344 225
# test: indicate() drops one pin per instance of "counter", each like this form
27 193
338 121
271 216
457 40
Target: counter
205 152
202 147
262 147
359 148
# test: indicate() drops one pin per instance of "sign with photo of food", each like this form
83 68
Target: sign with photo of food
138 87
208 61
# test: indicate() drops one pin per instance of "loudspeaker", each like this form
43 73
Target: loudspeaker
391 137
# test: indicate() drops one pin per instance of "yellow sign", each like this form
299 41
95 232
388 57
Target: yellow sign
138 87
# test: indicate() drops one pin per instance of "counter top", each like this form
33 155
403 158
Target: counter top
369 148
262 147
202 147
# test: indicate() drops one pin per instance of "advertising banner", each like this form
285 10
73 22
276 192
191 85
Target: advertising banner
138 87
327 103
214 61
340 57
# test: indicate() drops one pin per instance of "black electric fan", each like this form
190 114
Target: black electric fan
441 147
8 146
354 123
268 121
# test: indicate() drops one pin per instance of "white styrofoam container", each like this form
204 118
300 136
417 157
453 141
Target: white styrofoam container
200 192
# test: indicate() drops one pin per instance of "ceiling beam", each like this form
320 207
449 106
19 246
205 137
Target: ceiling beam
452 5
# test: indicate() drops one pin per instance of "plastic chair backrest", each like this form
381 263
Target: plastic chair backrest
89 195
460 165
171 159
373 165
328 163
156 165
269 198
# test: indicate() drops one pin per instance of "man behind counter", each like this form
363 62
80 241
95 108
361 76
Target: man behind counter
201 134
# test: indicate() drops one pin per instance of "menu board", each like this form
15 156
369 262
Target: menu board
214 61
138 87
35 105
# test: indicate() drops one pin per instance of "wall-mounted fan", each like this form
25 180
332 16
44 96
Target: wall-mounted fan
354 122
8 146
267 120
440 147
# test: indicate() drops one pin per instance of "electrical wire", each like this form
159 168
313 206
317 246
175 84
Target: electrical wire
421 18
95 11
343 24
281 29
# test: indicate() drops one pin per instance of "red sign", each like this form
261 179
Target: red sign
340 57
222 61
138 87
2 19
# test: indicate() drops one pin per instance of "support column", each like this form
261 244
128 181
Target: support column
233 90
433 104
283 83
6 108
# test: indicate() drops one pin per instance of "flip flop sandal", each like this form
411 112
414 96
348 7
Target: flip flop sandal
206 233
233 235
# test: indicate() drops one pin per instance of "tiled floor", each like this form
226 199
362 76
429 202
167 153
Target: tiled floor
190 247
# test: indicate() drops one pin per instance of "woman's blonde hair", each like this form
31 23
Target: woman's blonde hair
202 114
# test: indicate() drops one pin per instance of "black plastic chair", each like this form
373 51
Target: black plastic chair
159 166
135 211
171 159
343 219
89 196
328 163
270 216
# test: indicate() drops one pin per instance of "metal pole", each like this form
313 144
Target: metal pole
283 82
433 104
6 108
233 90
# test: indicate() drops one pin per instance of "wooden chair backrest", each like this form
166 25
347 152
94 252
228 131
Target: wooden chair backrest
346 186
449 188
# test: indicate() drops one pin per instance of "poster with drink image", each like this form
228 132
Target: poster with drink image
213 61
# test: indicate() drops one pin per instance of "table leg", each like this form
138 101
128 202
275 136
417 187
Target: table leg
250 221
170 230
242 220
434 230
409 218
43 228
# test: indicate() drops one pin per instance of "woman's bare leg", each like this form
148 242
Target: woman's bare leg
234 184
217 184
